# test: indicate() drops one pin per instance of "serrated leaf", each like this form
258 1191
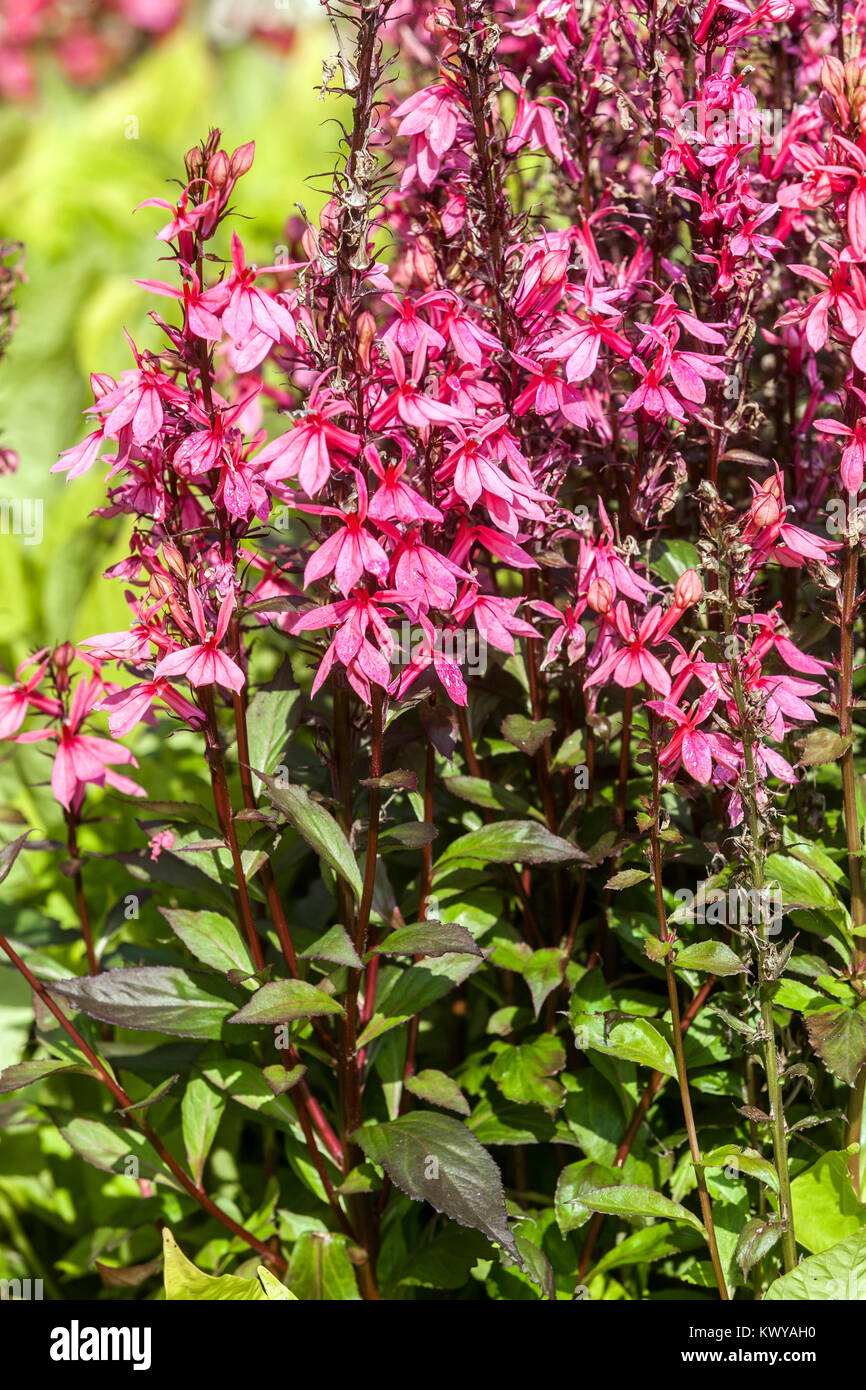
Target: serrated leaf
431 938
822 746
317 826
335 946
411 834
437 1088
632 1200
839 1038
712 956
543 973
513 841
22 1074
801 886
587 1174
826 1209
269 722
9 853
634 1040
756 1240
489 795
320 1269
836 1275
525 1074
626 878
745 1161
211 938
436 1159
280 1001
526 735
156 998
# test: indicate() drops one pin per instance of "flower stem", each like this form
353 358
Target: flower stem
126 1103
677 1030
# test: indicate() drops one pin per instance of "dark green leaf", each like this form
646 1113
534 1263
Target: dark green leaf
161 999
436 1159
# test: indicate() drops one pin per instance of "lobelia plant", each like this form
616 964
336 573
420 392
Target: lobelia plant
495 547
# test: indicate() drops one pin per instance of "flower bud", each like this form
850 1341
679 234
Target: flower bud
242 159
160 586
174 560
765 510
688 589
833 76
600 596
64 655
218 170
366 325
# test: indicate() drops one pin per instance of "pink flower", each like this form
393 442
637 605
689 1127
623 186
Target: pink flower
633 663
350 551
203 663
126 708
22 695
163 839
305 451
252 318
83 758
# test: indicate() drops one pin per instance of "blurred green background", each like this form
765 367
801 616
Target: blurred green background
70 178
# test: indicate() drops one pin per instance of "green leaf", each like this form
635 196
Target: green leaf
756 1240
526 735
268 722
201 1111
836 1275
184 1282
399 780
543 973
437 1088
284 1000
411 834
525 1074
445 1262
28 1073
713 956
822 746
320 1270
575 1178
315 825
436 1159
839 1038
571 751
157 998
430 939
510 842
671 558
9 853
335 946
826 1209
489 795
211 938
631 1200
745 1161
626 878
114 1149
800 885
633 1039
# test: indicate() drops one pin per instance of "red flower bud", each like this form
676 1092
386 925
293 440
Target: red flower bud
688 589
600 596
